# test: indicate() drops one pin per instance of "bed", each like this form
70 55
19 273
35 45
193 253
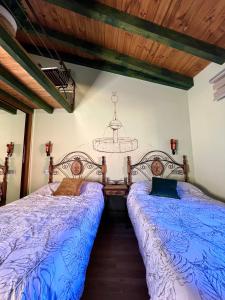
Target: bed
182 241
45 240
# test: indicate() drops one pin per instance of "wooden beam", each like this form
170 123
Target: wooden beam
11 46
99 65
4 106
12 81
144 28
5 97
24 186
114 57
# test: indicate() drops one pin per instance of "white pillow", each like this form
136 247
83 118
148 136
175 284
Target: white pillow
87 187
141 186
90 187
187 189
47 189
184 189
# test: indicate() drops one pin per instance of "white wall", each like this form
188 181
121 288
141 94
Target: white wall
12 130
207 119
149 112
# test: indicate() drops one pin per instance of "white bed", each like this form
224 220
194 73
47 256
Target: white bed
45 243
182 242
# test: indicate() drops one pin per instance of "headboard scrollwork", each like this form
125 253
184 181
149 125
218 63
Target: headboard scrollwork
77 164
157 163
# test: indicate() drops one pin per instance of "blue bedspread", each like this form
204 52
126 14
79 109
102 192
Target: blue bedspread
45 245
182 243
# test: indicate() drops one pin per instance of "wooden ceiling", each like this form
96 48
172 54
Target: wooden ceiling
111 35
23 85
21 74
201 19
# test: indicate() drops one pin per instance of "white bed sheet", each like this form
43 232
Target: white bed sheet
45 244
182 242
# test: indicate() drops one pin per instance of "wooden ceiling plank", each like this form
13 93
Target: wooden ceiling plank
10 80
114 57
143 27
4 106
10 90
102 65
14 102
10 45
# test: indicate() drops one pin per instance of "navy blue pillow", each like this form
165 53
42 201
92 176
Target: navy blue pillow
164 187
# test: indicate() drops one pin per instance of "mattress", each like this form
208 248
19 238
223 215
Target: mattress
45 243
182 242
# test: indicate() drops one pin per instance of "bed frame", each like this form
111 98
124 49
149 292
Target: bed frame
3 185
157 163
77 164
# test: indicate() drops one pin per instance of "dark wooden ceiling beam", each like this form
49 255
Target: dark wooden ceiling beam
4 106
149 30
12 81
7 98
114 57
98 64
14 49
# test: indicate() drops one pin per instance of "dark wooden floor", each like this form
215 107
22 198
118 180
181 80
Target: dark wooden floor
116 270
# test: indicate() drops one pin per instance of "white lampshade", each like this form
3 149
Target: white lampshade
7 21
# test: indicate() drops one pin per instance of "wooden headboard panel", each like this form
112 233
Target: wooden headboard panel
3 184
157 163
77 164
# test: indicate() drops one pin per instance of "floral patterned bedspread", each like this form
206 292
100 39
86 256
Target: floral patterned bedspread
45 244
182 242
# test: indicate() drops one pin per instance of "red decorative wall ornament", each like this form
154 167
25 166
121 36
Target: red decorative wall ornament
173 145
10 149
48 148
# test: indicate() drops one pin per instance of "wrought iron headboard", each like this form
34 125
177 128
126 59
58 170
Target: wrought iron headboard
3 185
157 163
77 164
